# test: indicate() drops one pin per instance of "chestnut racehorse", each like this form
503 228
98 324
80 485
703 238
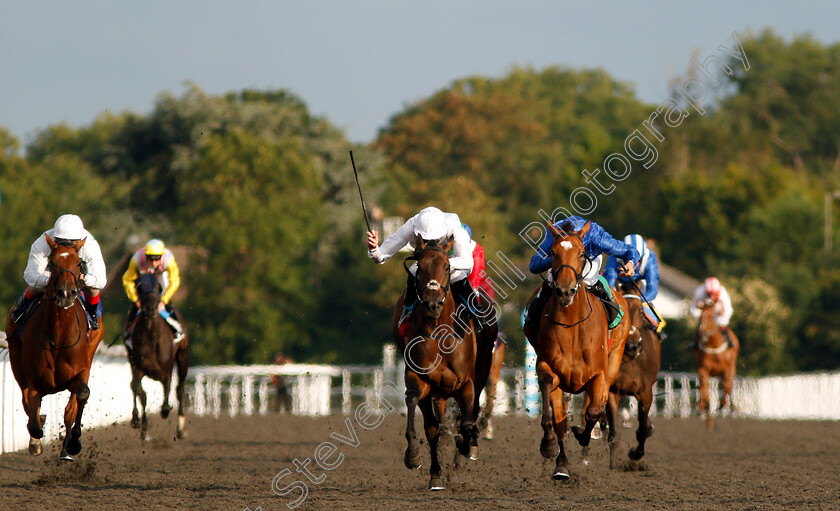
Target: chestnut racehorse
713 357
444 358
576 352
54 348
154 353
637 375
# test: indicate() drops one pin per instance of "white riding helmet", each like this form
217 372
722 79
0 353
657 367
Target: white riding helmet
69 227
637 242
430 224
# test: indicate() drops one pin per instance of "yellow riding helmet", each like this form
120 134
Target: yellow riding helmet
154 248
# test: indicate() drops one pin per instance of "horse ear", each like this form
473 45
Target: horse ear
450 242
553 230
50 241
79 244
585 229
419 244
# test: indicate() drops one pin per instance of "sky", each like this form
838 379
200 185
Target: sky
355 62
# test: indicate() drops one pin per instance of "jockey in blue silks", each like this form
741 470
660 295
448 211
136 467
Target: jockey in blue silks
646 276
596 242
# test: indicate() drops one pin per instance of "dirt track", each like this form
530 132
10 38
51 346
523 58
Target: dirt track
230 463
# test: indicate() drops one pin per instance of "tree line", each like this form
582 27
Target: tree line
263 193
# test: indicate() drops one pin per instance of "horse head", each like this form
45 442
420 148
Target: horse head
149 290
433 277
65 267
706 326
633 344
568 261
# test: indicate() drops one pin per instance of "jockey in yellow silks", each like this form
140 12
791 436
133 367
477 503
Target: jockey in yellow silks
158 260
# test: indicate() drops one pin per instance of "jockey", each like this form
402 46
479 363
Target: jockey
67 228
430 224
646 276
712 292
597 241
158 260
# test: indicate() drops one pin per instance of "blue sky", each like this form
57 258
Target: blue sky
356 63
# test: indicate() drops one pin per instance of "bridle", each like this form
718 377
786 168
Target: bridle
551 282
432 284
77 280
705 334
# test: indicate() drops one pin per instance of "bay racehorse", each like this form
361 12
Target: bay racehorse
576 351
714 358
637 375
54 349
445 357
153 352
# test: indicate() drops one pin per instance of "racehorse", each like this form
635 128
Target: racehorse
153 353
713 357
637 375
576 352
54 348
486 419
444 356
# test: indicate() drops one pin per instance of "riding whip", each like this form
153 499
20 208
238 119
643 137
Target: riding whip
633 281
364 209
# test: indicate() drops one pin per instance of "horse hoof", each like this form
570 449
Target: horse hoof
164 412
473 452
74 446
435 484
35 447
65 456
582 439
560 474
549 448
635 454
488 432
135 422
412 462
596 432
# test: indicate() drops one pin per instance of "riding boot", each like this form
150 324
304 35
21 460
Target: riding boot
21 307
535 307
463 293
129 321
94 310
174 324
603 292
408 304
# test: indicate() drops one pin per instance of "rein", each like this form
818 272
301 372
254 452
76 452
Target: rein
701 343
564 325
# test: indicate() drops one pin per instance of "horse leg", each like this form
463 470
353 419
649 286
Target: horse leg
182 361
644 399
597 392
139 394
468 432
73 419
612 421
415 390
32 405
136 388
431 423
726 379
165 408
548 382
560 419
483 370
485 423
703 400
